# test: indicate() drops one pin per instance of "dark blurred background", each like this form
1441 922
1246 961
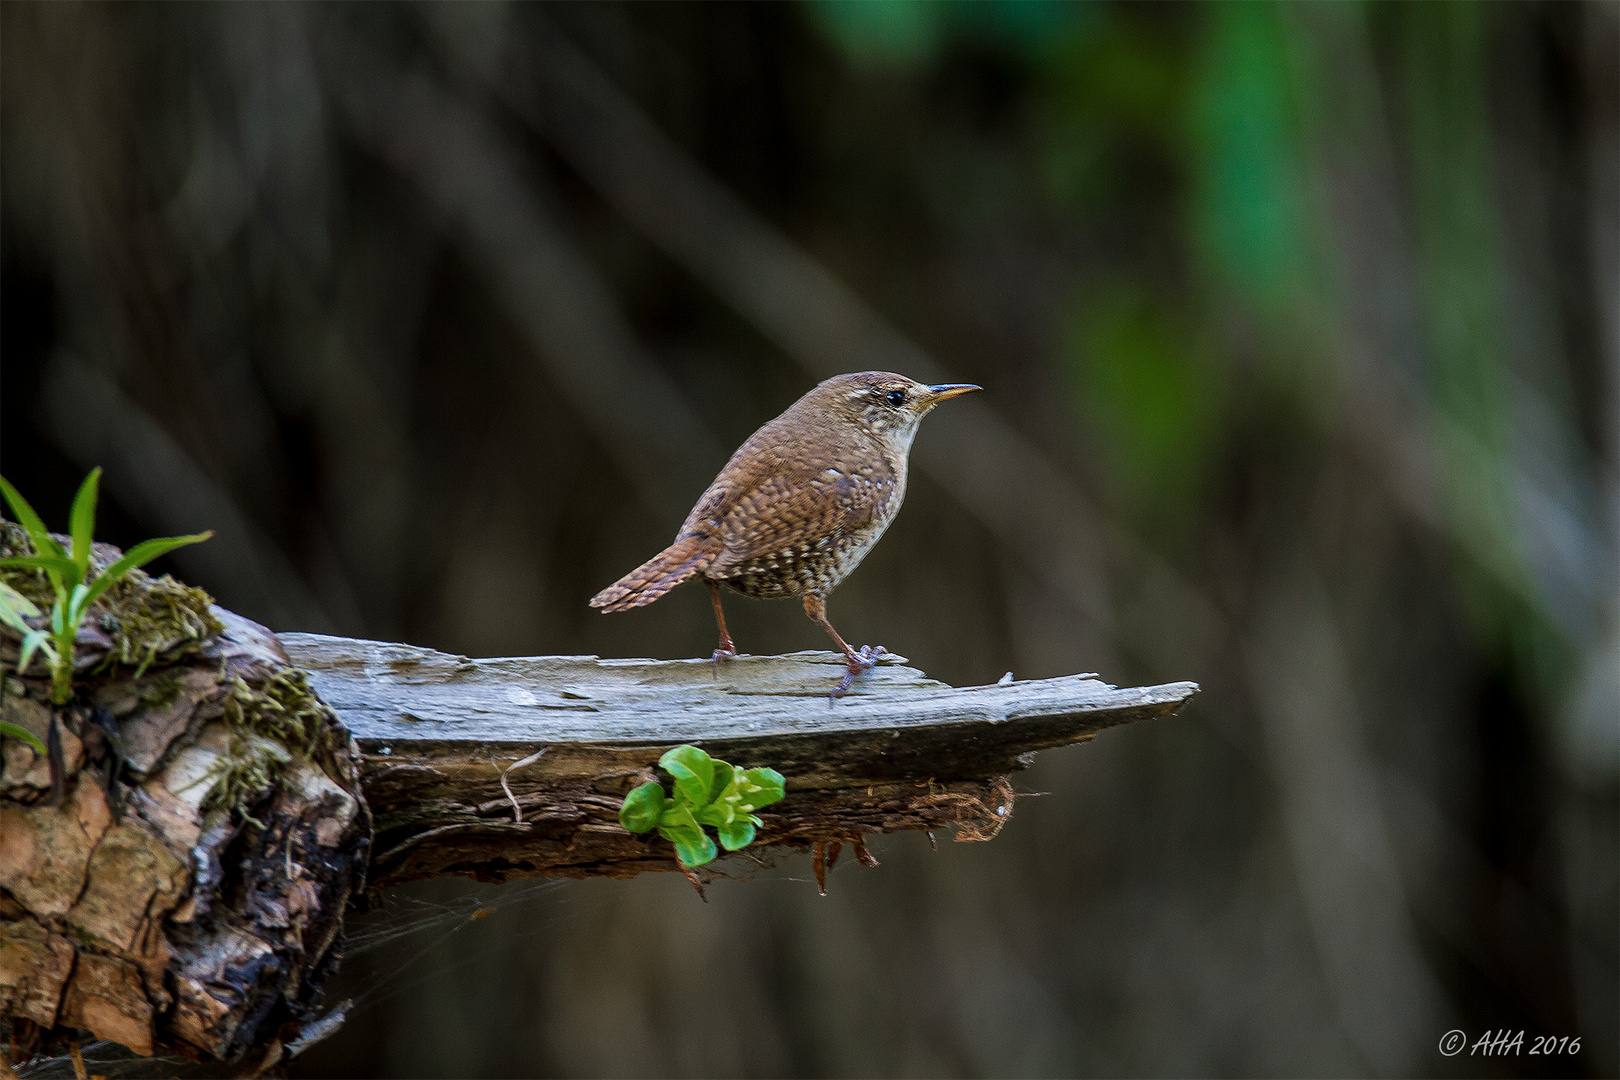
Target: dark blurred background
1298 325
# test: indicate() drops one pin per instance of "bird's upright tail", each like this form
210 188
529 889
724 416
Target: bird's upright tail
657 575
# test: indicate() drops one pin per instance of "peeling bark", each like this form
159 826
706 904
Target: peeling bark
140 908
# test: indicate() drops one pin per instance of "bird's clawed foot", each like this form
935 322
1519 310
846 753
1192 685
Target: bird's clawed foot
858 661
726 651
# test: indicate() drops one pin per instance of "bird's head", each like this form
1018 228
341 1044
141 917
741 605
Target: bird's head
888 405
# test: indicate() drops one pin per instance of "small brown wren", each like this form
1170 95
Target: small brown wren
799 505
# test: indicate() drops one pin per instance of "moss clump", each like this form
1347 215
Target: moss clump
155 620
241 777
150 620
284 709
159 691
272 726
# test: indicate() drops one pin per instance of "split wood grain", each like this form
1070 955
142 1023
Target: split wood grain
900 751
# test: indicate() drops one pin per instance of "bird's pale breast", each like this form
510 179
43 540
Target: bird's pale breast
791 539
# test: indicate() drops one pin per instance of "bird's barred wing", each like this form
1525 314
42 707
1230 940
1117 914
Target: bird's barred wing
793 514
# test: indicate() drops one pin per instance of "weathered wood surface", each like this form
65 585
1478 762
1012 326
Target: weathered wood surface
900 751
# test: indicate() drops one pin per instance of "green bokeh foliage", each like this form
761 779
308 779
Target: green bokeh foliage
1245 111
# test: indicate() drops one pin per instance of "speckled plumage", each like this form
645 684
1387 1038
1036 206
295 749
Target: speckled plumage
800 503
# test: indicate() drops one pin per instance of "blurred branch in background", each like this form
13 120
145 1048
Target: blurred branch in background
94 422
1377 343
1339 836
498 214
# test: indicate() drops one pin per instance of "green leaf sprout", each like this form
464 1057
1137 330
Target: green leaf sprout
707 792
15 609
75 582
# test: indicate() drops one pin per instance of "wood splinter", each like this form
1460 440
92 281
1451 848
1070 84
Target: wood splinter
824 856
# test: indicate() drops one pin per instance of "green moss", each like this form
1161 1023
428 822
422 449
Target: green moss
284 709
150 620
243 776
160 690
155 620
272 727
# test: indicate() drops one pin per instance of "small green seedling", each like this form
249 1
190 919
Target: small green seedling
707 792
75 582
14 609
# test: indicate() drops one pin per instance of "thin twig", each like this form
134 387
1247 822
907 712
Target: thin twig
517 811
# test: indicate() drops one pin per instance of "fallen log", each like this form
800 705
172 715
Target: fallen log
176 880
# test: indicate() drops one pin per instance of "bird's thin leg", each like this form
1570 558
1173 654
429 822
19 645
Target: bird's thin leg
726 649
858 661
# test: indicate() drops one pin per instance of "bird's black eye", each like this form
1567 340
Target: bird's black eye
897 398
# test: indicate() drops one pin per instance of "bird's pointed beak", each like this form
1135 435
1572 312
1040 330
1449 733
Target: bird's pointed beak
945 391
